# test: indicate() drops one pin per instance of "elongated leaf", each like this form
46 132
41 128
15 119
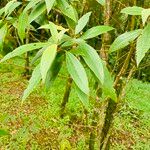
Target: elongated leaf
53 71
102 2
124 39
8 5
47 59
77 72
13 7
38 55
84 98
23 49
82 22
93 60
31 4
22 25
3 132
107 87
37 11
67 9
132 10
54 32
2 10
143 44
3 32
145 15
49 4
95 31
33 82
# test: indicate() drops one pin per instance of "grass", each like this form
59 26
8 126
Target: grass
37 126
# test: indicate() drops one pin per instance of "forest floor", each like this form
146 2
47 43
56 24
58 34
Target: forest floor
36 124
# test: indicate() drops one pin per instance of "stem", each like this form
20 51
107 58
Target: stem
66 96
106 37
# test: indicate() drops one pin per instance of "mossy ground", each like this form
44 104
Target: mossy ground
36 124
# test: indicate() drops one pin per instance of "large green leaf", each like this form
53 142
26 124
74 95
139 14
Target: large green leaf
145 15
8 5
132 10
22 25
77 72
67 9
23 49
95 31
84 98
33 82
13 7
82 22
47 59
31 4
37 11
124 39
49 4
93 60
143 44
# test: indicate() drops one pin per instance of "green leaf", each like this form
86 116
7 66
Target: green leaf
8 5
77 72
124 39
54 32
145 15
37 11
23 49
132 10
49 4
84 98
3 32
33 82
47 59
82 22
102 2
3 132
13 7
31 4
67 9
95 31
107 87
53 71
22 25
143 44
2 10
93 60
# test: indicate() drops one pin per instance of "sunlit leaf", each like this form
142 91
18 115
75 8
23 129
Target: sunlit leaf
82 22
23 49
47 59
22 25
93 60
124 39
132 10
49 4
37 11
143 44
145 15
77 72
95 31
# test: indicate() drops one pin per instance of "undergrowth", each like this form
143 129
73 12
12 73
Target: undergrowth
36 124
